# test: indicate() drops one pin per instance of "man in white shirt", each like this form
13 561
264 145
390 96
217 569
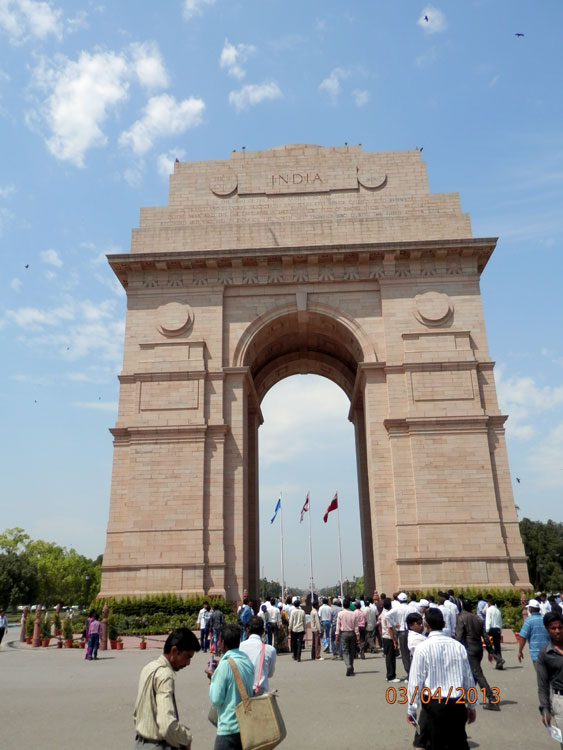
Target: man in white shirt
401 611
415 624
324 616
493 627
450 617
440 668
202 622
253 648
273 623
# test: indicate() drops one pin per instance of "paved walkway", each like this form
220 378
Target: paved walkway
55 700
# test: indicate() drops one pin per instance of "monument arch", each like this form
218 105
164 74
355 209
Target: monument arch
360 275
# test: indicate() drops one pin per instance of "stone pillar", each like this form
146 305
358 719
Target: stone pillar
37 628
23 621
104 638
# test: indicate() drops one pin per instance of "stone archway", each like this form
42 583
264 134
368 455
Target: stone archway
318 260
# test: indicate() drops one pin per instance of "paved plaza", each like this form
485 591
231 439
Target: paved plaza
54 700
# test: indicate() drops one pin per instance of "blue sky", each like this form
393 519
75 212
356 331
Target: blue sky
97 100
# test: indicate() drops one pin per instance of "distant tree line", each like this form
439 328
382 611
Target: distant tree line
39 572
543 543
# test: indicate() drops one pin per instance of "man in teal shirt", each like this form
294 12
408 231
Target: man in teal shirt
223 691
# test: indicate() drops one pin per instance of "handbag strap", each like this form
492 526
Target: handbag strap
262 652
239 683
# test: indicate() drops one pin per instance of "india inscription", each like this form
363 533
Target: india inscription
354 271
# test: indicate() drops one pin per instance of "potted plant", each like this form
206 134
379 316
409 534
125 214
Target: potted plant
46 632
57 623
119 643
112 633
67 632
29 626
59 642
143 643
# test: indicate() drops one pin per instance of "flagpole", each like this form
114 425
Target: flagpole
310 550
281 548
339 551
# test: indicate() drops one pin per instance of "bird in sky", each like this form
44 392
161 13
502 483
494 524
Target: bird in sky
518 480
518 33
426 19
27 265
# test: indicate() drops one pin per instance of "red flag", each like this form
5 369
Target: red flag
333 506
305 508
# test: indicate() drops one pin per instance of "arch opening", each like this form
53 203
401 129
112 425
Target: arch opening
318 342
307 445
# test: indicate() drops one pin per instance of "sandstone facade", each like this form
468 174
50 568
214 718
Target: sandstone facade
305 259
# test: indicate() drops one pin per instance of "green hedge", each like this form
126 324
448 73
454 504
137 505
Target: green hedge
159 613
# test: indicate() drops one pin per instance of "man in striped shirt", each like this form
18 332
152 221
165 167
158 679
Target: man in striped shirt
439 674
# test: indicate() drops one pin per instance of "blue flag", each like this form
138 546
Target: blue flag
278 506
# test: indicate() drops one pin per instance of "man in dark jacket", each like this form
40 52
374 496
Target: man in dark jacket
471 632
216 622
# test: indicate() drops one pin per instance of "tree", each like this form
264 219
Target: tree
18 579
543 543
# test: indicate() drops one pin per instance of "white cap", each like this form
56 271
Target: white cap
424 603
402 597
534 603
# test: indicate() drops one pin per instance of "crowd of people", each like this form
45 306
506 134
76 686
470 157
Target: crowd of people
439 641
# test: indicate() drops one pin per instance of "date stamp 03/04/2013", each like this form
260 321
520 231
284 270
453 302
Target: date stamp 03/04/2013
469 696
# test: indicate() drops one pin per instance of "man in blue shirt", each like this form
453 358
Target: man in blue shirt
533 631
223 691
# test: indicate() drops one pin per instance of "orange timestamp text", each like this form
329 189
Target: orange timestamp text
455 694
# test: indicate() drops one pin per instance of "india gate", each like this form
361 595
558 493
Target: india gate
307 259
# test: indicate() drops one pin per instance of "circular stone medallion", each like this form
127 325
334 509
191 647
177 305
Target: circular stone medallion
433 308
224 182
370 179
174 318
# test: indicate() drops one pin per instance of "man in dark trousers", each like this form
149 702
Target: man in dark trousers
471 632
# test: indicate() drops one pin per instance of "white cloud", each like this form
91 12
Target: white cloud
545 459
34 319
436 22
165 162
233 57
331 84
6 191
78 22
361 97
253 94
5 218
83 92
195 7
149 66
523 400
296 409
163 116
16 284
22 19
74 329
51 257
